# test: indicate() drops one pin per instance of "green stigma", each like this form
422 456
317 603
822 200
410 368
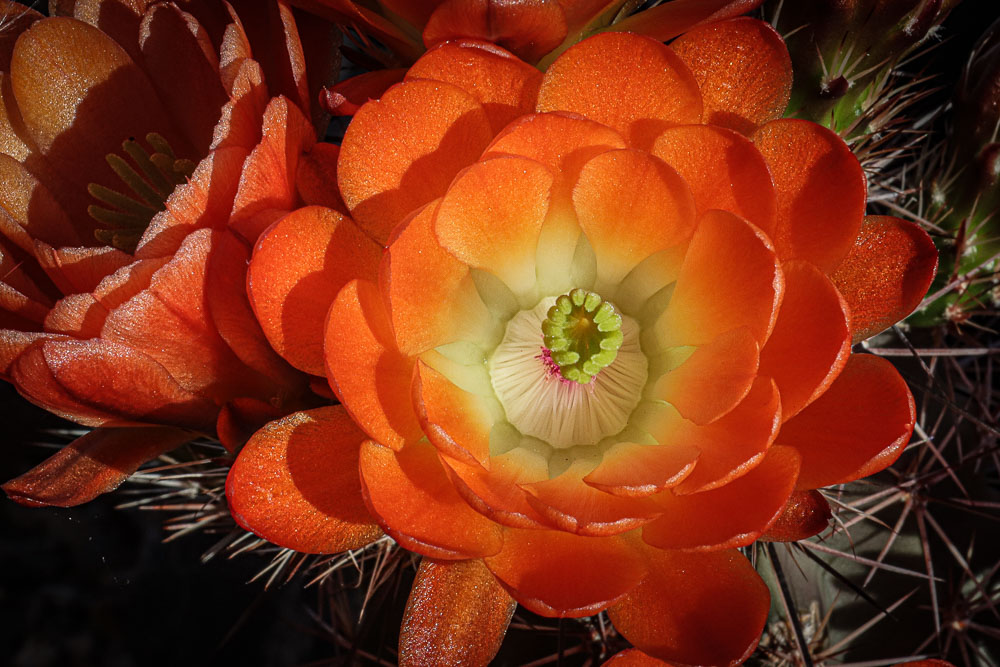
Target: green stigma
149 180
582 334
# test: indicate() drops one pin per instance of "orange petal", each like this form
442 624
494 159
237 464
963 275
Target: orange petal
743 69
811 339
714 380
457 614
347 96
295 483
180 60
316 179
529 29
695 608
369 375
723 169
730 516
491 217
886 273
403 151
169 322
858 427
805 514
97 382
633 657
29 210
456 421
671 19
630 469
563 142
240 418
77 270
233 317
267 181
432 299
730 278
631 205
635 84
297 269
821 191
553 573
496 492
92 464
734 444
75 84
416 504
571 504
505 86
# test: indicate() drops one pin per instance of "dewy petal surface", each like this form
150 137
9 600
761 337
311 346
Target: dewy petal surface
634 84
821 191
417 505
695 608
886 273
366 371
402 151
743 69
559 574
295 483
298 266
857 427
506 86
457 613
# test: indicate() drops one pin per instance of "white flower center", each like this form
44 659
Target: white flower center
542 404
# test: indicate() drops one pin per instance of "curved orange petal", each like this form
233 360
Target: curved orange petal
713 380
630 469
403 151
456 421
97 382
572 505
347 96
695 608
734 444
316 178
561 141
733 515
886 273
633 657
415 503
78 270
432 299
634 84
298 266
29 210
240 418
743 69
92 464
496 492
529 29
295 483
512 194
369 375
805 514
673 18
553 573
859 426
821 191
723 169
811 340
457 614
630 205
730 278
505 86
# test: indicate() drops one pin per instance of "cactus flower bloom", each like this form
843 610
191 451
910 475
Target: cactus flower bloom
143 150
607 344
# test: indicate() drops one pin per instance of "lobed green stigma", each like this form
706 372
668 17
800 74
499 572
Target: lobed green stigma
582 333
124 215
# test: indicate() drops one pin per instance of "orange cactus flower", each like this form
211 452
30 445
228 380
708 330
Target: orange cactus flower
143 149
608 342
